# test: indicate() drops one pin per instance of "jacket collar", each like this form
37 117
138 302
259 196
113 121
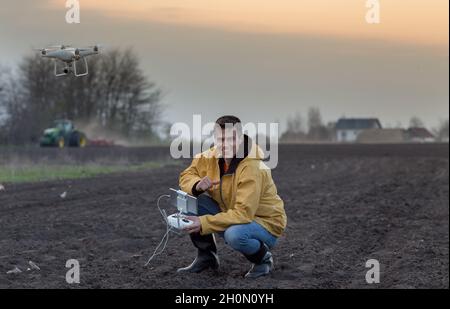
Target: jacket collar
246 146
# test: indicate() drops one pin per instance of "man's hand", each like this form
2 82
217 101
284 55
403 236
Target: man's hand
195 227
206 183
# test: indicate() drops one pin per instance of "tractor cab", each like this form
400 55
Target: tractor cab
64 125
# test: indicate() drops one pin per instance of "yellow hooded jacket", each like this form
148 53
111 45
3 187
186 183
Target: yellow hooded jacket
246 192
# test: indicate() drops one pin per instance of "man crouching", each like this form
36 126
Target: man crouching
237 199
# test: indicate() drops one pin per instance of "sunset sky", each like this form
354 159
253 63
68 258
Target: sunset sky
261 59
416 21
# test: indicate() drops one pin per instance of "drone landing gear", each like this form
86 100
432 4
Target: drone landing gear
65 70
86 71
71 67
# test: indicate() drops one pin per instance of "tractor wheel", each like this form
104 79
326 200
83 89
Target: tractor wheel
61 142
74 139
83 141
78 139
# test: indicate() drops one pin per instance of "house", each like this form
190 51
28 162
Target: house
420 135
389 136
348 129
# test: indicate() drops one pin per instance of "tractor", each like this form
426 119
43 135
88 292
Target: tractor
62 134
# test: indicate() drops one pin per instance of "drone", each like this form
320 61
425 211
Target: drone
69 56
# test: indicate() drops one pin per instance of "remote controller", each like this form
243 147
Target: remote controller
179 221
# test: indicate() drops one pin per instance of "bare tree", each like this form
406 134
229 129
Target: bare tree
416 122
295 123
2 89
314 119
2 105
317 131
442 132
295 129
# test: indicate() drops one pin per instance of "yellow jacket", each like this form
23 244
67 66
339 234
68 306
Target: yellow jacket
246 193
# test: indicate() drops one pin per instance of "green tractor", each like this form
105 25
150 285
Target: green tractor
63 134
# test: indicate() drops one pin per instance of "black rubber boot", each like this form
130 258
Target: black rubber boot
262 262
206 256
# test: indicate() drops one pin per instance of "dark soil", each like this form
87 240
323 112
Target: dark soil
345 205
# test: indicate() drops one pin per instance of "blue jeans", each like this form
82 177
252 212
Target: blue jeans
245 238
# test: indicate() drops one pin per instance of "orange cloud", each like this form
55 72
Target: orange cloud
414 21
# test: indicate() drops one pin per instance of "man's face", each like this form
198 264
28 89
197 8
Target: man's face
227 141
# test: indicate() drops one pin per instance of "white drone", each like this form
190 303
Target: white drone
69 56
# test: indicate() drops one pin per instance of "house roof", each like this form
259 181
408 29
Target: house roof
419 133
358 124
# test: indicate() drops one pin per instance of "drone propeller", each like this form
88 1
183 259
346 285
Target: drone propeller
96 47
43 51
77 53
62 46
51 48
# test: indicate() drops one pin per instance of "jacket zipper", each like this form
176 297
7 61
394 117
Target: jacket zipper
220 188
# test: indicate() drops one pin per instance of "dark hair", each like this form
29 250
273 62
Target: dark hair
230 120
